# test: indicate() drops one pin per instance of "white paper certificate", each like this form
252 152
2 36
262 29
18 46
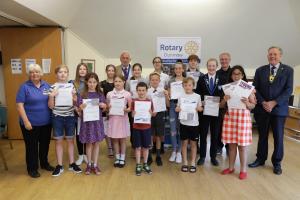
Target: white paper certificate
159 101
142 114
64 96
176 90
235 102
188 109
133 84
211 106
117 106
91 111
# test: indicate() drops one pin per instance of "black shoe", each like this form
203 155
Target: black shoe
158 161
201 161
149 160
75 168
122 163
214 162
277 170
58 170
34 174
256 163
219 151
48 168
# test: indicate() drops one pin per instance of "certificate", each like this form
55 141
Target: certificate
243 89
91 111
64 96
176 90
235 102
159 101
142 114
211 106
117 106
133 84
188 109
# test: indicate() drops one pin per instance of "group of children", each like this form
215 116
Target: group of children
185 128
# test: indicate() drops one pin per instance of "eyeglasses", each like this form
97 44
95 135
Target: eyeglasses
157 62
236 74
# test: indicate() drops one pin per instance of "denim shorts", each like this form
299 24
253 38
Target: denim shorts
63 126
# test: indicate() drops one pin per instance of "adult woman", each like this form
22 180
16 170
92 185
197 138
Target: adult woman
32 106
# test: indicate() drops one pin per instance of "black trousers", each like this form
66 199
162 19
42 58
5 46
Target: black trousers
80 146
37 143
214 124
264 122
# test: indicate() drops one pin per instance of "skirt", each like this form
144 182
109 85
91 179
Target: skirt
237 127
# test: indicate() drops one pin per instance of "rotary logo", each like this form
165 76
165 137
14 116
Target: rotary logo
191 47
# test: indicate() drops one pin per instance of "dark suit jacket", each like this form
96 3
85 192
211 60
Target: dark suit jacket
279 90
120 71
203 87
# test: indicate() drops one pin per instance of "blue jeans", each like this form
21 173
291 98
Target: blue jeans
174 126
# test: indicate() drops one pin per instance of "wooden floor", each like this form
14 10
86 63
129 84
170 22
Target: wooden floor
166 182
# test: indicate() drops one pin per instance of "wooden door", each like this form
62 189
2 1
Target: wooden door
24 43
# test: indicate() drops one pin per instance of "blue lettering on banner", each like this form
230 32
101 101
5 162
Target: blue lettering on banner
170 47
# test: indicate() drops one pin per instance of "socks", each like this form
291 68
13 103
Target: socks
122 157
118 156
157 152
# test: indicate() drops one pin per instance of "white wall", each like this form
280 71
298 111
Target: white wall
77 49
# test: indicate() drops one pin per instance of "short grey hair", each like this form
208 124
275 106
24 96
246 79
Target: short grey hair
35 67
226 54
276 47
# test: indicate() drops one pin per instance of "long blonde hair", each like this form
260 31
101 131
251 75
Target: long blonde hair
77 77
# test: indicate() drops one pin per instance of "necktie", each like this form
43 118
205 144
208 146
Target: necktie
273 70
211 85
125 72
154 91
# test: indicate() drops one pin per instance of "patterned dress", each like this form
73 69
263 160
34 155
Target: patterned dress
237 127
92 131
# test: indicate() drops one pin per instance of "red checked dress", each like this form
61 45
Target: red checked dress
237 127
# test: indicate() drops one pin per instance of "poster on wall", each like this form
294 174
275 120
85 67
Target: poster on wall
90 64
171 49
28 62
16 66
46 65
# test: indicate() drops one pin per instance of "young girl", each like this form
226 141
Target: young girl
237 126
63 119
157 121
107 86
92 132
158 68
175 85
118 124
79 82
189 123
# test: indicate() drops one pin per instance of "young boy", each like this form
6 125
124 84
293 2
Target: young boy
157 121
141 133
188 107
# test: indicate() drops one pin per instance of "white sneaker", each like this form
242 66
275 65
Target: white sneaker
85 159
178 158
79 160
173 157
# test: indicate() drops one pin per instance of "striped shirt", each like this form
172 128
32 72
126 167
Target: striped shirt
63 111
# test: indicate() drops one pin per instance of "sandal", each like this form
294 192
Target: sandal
185 168
192 169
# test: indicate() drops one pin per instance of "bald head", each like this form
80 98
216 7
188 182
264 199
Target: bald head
125 58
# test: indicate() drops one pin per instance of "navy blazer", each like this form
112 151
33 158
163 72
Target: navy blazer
203 87
279 90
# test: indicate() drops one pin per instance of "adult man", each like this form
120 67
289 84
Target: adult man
223 74
274 85
125 68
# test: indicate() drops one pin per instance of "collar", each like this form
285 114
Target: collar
277 66
209 76
118 92
29 82
125 67
189 70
